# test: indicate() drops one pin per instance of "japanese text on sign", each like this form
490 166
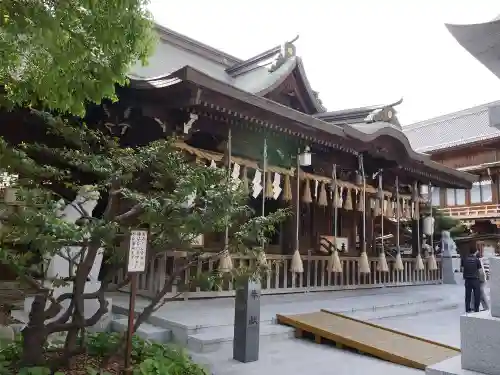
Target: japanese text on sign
137 251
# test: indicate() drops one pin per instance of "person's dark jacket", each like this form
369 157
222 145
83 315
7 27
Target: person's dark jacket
471 266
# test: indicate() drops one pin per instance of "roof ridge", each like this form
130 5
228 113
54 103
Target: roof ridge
450 116
196 46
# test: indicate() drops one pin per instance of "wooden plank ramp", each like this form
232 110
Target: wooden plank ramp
369 338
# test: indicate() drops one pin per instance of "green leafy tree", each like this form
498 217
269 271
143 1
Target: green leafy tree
62 54
146 187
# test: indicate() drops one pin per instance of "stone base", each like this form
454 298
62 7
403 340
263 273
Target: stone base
451 366
480 342
451 268
494 284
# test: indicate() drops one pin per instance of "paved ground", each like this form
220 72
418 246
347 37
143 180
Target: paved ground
295 356
299 356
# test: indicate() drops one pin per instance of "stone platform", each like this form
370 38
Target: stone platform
479 337
205 327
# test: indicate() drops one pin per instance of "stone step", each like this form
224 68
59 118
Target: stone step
401 311
145 331
214 339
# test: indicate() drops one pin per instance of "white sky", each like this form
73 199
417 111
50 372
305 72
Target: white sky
356 52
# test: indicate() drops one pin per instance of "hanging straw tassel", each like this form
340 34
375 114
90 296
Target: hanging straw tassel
431 262
399 211
382 263
398 265
361 205
245 181
287 193
419 263
406 209
307 198
322 199
377 211
297 266
364 265
269 186
334 263
226 262
389 212
348 201
337 199
262 259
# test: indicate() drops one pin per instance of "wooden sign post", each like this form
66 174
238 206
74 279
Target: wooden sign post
137 255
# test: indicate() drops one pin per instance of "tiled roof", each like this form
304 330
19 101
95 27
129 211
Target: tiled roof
452 130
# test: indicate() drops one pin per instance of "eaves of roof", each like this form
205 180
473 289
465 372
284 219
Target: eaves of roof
453 130
364 134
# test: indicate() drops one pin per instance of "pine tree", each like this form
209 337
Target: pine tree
141 187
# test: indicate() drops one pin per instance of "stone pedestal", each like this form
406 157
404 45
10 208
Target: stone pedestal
494 283
449 269
480 342
479 337
450 259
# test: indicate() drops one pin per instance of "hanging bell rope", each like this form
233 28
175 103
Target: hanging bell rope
364 265
389 210
334 263
269 186
382 261
307 198
360 205
287 194
376 211
382 265
419 263
348 200
267 193
431 260
322 199
226 263
337 196
398 265
262 259
406 209
245 181
296 264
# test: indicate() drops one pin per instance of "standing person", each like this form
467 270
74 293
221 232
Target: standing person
470 268
482 282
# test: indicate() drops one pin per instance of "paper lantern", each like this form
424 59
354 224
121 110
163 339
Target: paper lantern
428 225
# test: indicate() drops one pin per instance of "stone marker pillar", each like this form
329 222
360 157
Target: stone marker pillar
247 322
448 256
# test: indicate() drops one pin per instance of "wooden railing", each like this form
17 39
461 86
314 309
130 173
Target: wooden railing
472 212
280 280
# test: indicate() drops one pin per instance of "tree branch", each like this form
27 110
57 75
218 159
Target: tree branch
130 213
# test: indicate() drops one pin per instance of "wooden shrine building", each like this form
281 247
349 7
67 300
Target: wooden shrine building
203 95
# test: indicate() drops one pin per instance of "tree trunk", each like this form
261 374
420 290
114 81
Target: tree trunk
35 334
